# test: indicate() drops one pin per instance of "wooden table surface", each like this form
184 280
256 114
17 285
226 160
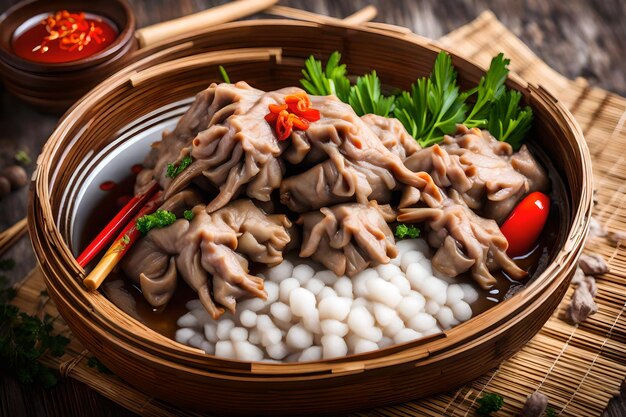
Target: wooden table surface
577 38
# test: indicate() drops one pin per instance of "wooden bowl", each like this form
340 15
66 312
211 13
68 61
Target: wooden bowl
152 91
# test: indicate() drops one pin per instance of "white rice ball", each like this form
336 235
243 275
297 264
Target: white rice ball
286 286
411 257
470 294
401 283
336 327
411 305
303 273
225 349
281 311
315 286
431 307
238 334
384 292
417 274
188 320
455 294
301 301
252 304
343 287
264 322
224 327
299 338
365 346
196 340
462 311
336 308
281 271
313 353
406 335
445 317
271 336
383 314
247 318
333 346
359 282
421 322
277 351
393 327
396 261
210 332
246 351
272 290
311 322
435 289
407 245
388 271
327 292
326 276
385 342
254 336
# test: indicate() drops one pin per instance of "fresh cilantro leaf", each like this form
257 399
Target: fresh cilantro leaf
406 232
489 403
158 219
224 74
323 82
508 122
173 170
490 88
365 97
22 157
188 214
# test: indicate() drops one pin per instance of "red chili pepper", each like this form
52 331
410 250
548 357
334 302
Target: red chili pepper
294 114
525 223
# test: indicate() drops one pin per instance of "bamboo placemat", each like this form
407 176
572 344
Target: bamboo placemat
581 367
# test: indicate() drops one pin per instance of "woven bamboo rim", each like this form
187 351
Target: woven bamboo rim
170 72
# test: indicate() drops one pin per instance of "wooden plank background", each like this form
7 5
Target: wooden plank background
577 38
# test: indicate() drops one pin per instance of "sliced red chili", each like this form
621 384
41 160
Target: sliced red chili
294 114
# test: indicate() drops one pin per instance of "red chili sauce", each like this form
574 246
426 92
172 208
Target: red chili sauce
63 37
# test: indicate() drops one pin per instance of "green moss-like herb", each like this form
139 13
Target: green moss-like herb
489 403
158 219
404 231
174 170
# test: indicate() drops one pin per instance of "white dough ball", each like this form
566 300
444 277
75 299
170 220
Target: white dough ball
224 327
277 351
326 276
286 286
292 358
281 271
225 349
409 258
315 286
303 273
407 245
343 287
388 271
313 353
359 282
208 347
462 311
455 294
396 261
311 322
272 290
431 307
238 334
421 322
434 330
247 352
411 305
384 314
271 336
385 342
327 292
247 318
401 283
281 311
417 274
406 335
445 317
393 327
252 304
210 332
188 320
202 316
196 340
254 336
333 346
302 302
336 308
264 322
360 302
336 327
470 294
384 292
364 345
194 305
435 289
299 338
361 323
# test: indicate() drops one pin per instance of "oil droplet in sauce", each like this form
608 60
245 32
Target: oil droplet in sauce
107 186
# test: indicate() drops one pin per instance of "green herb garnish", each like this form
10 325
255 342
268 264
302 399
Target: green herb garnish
489 403
331 80
365 97
224 74
508 122
173 170
188 214
406 232
24 339
158 219
551 412
490 88
22 157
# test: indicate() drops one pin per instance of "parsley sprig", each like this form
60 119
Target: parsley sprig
158 219
173 170
406 232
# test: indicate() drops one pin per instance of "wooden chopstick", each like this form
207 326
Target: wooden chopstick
364 15
11 235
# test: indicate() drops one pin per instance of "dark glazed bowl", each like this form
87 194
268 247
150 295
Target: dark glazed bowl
54 87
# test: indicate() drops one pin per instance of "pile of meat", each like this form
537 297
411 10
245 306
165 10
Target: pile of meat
330 191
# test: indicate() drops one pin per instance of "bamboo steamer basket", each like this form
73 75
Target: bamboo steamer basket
272 56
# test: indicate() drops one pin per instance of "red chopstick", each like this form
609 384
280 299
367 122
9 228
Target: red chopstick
120 220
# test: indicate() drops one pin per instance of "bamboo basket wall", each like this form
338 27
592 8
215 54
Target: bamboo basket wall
273 54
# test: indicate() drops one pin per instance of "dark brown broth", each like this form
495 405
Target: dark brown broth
164 320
